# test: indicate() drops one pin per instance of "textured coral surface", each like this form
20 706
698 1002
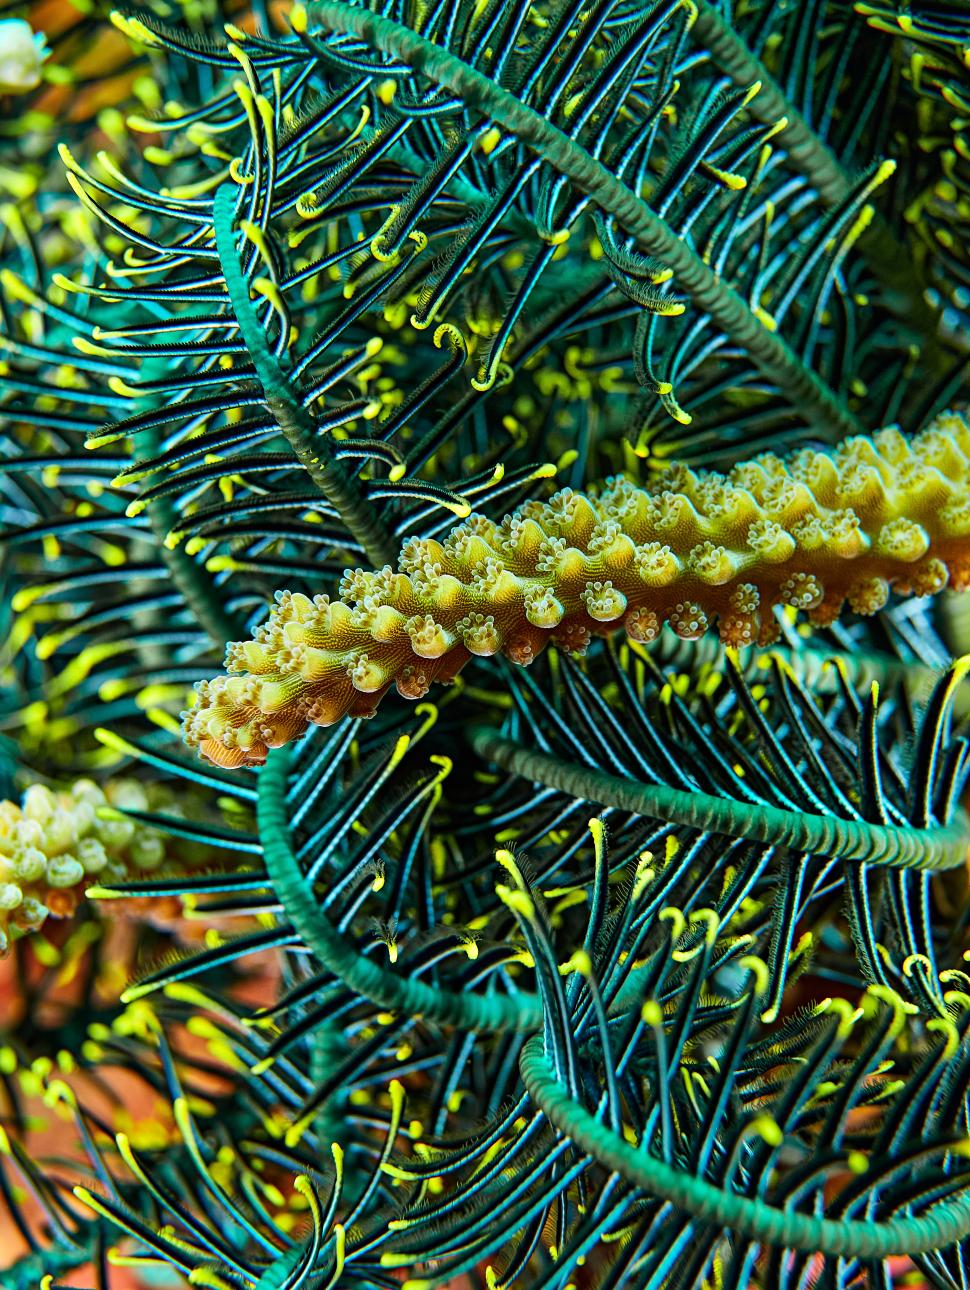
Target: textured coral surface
691 550
53 844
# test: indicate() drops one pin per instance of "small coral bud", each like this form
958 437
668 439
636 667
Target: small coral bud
929 578
656 564
861 486
542 609
642 625
520 650
147 852
959 570
847 538
901 539
22 55
64 871
818 472
366 675
711 563
10 896
689 620
428 638
745 598
811 533
412 683
92 855
479 634
31 914
86 790
770 542
573 637
129 796
738 630
676 515
868 595
39 803
603 602
59 831
28 864
115 834
802 591
955 519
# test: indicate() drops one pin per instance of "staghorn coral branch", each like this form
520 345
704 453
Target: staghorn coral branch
689 550
53 845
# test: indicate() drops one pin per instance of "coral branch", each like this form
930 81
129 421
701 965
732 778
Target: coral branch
689 550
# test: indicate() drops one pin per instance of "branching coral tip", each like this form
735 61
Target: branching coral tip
690 550
22 55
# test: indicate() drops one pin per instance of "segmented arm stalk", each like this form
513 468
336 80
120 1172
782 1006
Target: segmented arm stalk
944 846
813 157
772 355
192 580
30 1270
386 989
748 1216
338 485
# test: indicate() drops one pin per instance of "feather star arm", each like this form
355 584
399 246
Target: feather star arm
691 550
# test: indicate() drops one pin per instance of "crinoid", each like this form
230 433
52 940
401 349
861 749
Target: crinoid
591 374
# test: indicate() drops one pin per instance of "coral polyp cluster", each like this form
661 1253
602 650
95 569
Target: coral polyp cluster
54 844
691 550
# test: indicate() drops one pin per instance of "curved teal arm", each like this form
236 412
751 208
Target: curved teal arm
385 988
944 846
755 1219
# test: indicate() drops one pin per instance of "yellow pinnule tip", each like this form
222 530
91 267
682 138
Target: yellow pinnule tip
118 386
136 992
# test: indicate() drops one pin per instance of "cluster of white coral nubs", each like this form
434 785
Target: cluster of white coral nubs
22 54
54 844
691 550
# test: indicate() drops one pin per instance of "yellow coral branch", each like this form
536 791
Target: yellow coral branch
691 550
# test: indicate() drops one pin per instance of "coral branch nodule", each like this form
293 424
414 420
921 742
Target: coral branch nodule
692 550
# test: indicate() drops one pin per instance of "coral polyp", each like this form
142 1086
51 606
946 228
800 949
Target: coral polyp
55 844
691 550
